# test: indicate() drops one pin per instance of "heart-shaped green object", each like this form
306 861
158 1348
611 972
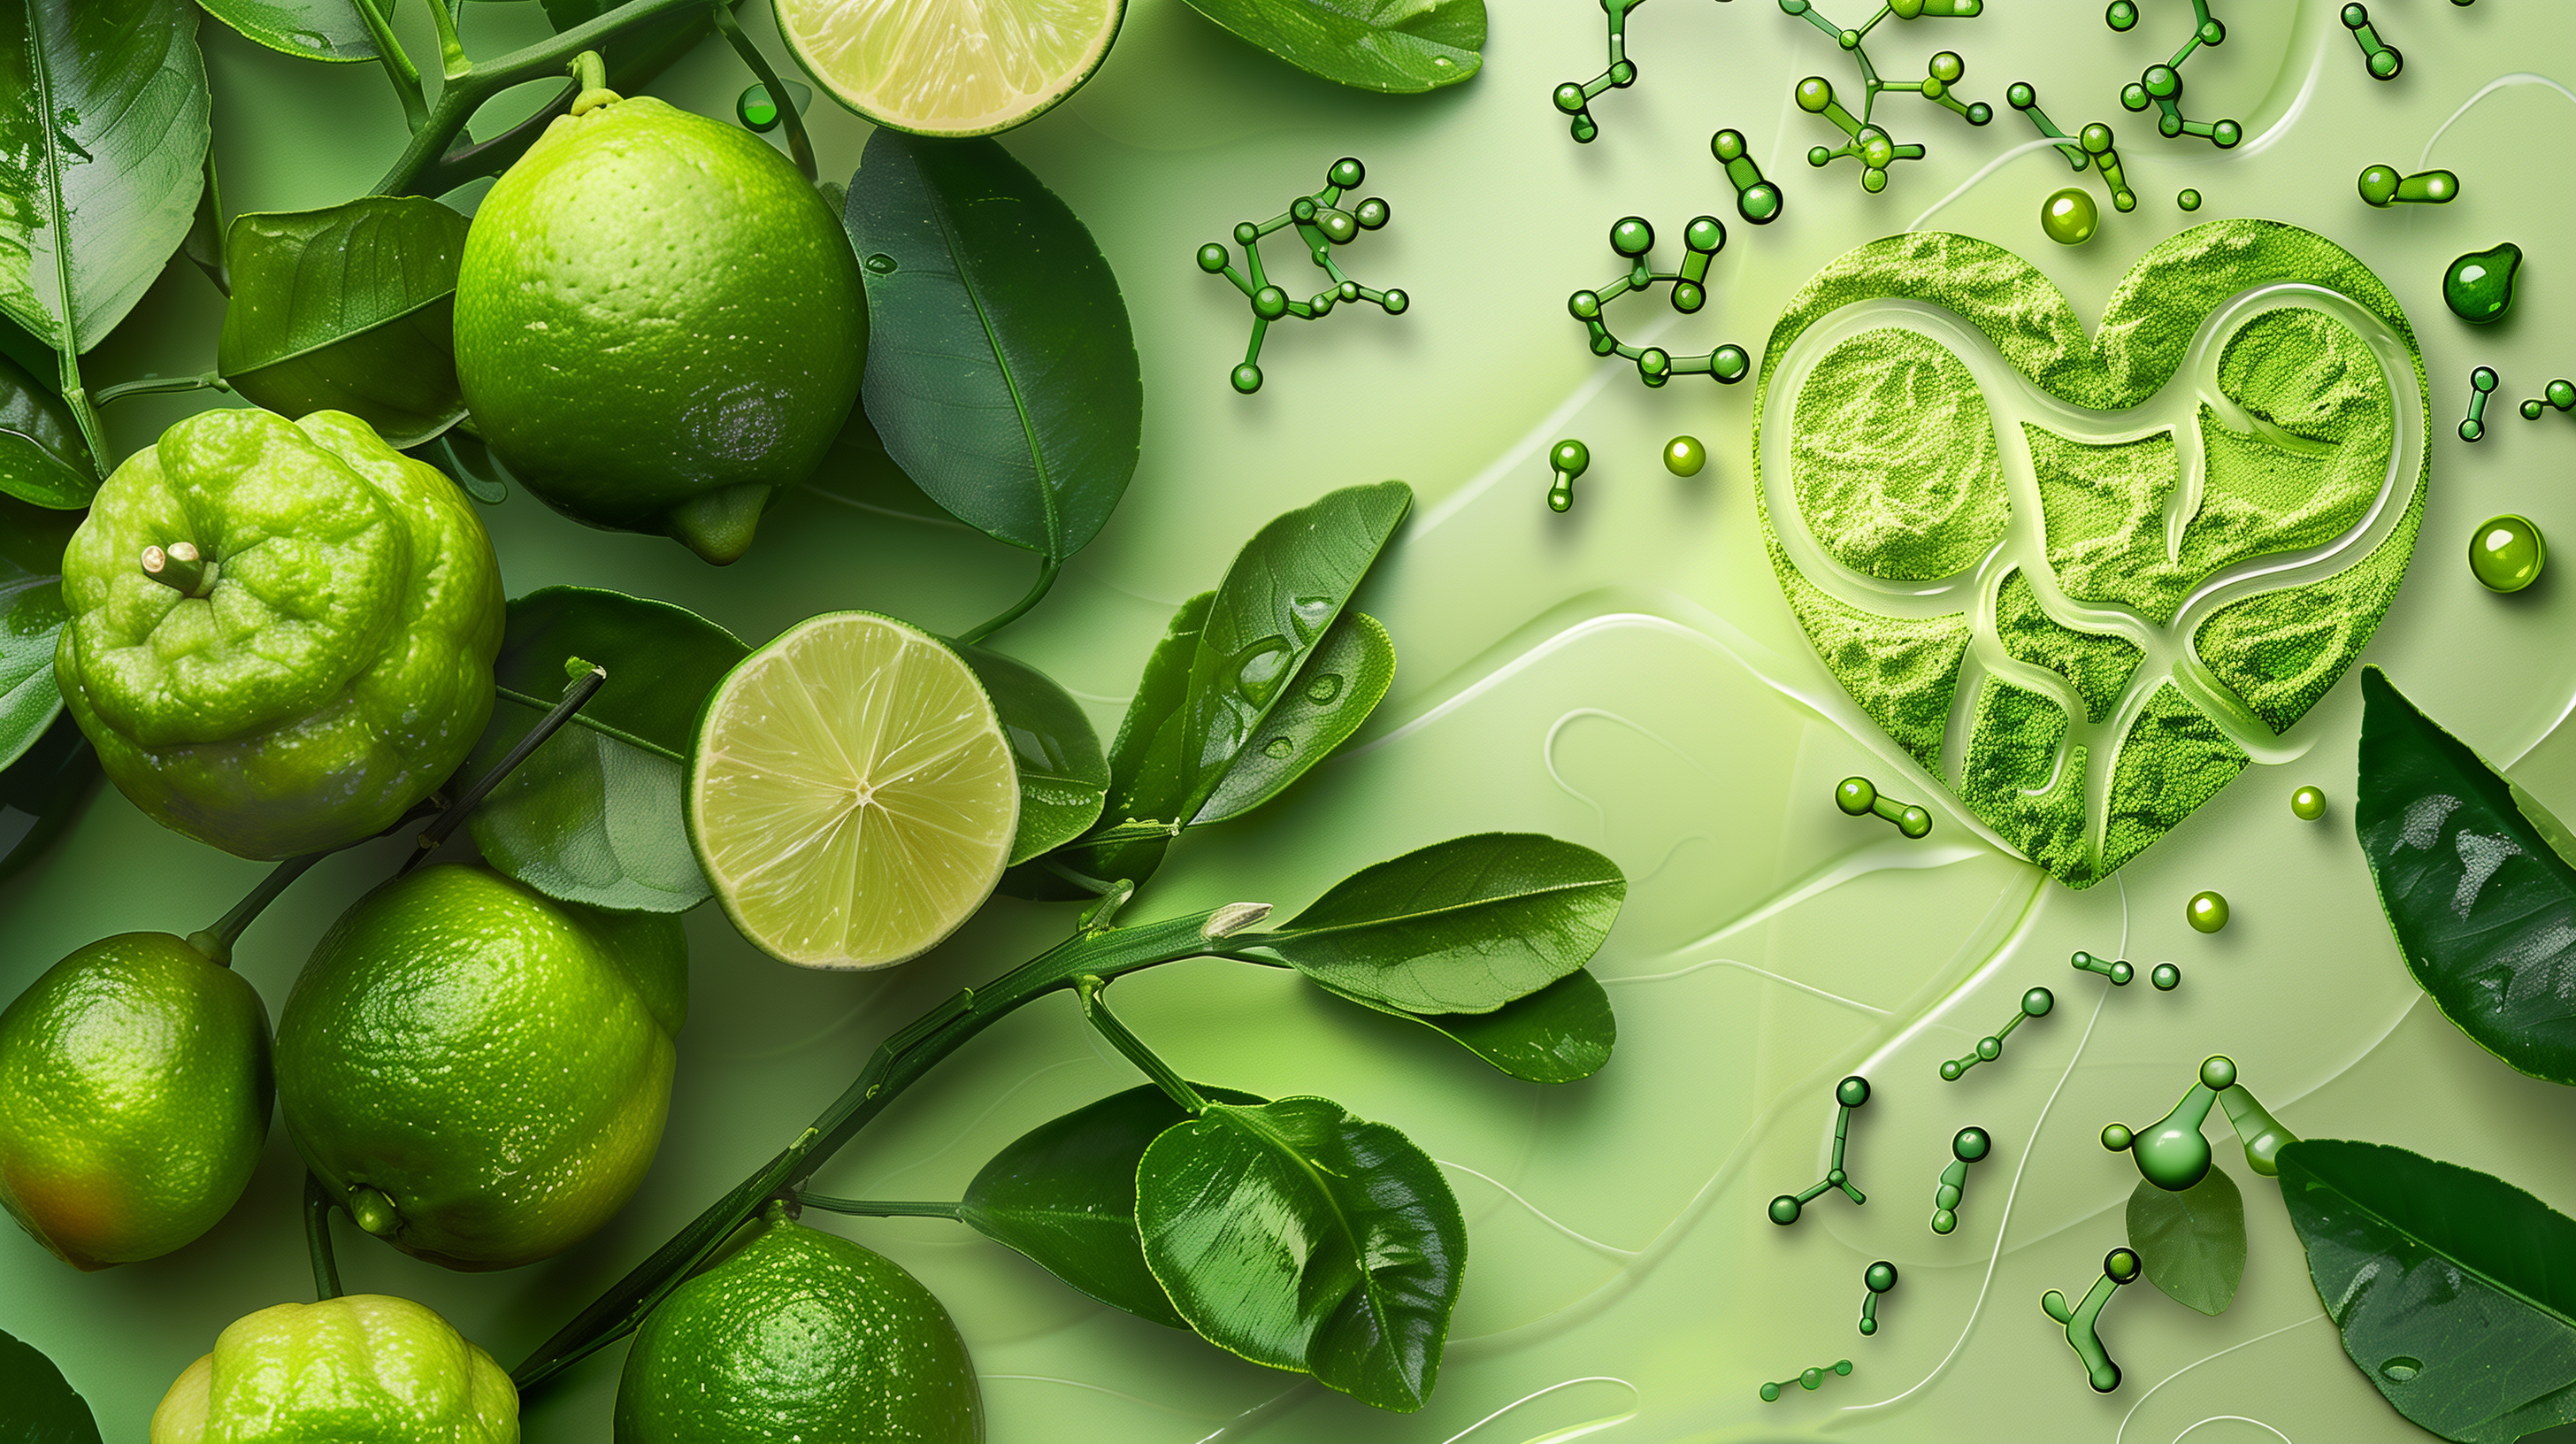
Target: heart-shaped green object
2085 580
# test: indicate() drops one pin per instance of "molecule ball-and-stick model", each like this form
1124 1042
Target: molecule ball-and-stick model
2382 186
2172 1154
1849 1094
2092 146
1321 223
2166 976
2119 1266
1756 199
2380 57
1632 239
1575 98
1867 142
1568 460
2560 394
2034 1004
1969 1145
1856 796
2482 384
1878 1278
2160 85
1812 1378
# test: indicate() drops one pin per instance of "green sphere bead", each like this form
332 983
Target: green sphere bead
1970 1144
1632 237
2308 804
2117 1137
1212 258
2189 200
1915 823
1854 795
2037 1002
1852 1092
2561 394
1950 1070
2173 1157
2506 553
1346 173
2217 1072
2531 410
2122 1265
2069 217
1811 1379
1684 456
2207 911
1570 457
2121 972
1784 1209
1880 1278
1247 378
1770 1393
1990 1048
2166 977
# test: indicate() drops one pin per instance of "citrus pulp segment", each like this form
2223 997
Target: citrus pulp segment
851 795
950 67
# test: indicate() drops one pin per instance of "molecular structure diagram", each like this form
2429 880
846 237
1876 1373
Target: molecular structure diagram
2093 145
2119 1266
1866 141
1575 97
1322 224
2161 85
1633 239
1849 1094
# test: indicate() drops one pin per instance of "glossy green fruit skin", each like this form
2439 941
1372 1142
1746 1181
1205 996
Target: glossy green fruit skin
800 1335
363 1369
495 1063
134 1099
337 670
659 323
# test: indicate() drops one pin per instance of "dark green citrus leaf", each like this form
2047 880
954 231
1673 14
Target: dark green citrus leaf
42 791
1063 777
1462 926
36 1405
1001 371
1332 694
662 660
42 457
2193 1242
327 30
348 309
32 615
638 55
1064 1193
1401 46
2450 1286
1301 1237
2478 882
468 463
1560 1034
103 138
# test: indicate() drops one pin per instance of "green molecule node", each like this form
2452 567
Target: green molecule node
1632 239
2034 1004
2560 394
1856 796
1756 199
2506 553
1849 1094
2119 1266
1569 460
2165 978
2173 1155
1321 224
2189 200
2207 912
2378 56
2478 287
2069 217
1810 1379
2382 186
1684 456
1878 1278
2482 384
2308 804
1970 1145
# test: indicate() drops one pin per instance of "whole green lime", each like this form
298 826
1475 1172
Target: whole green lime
134 1098
481 1073
800 1335
659 324
365 1369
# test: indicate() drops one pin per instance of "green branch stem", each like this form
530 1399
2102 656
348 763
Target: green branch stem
421 161
1048 570
582 689
1095 1011
798 147
876 1208
896 1065
75 396
160 385
318 1204
453 64
540 704
398 64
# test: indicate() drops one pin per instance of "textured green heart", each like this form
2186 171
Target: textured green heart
2085 580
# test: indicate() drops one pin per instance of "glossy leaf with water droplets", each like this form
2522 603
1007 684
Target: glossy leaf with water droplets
1332 695
1562 1033
1399 48
332 31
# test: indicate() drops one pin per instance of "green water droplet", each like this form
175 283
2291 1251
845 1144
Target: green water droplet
2400 1369
2506 553
2479 286
1278 747
881 263
1260 668
2207 912
1324 689
374 1212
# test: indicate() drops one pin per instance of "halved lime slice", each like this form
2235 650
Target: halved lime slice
851 797
950 67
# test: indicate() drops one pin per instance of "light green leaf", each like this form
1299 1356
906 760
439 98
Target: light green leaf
36 1405
1560 1034
593 817
1002 371
1301 1237
1063 777
1400 46
1064 1194
348 309
1462 926
1332 694
42 456
2472 877
2450 1286
327 30
2192 1242
103 138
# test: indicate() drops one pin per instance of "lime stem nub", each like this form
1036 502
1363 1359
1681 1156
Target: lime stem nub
181 567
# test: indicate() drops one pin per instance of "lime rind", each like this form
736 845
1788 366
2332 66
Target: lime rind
950 67
852 797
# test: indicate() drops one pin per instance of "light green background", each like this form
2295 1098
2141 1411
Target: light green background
1625 675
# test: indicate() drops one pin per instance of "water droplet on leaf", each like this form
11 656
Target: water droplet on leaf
1279 747
1324 689
1260 668
2400 1369
881 263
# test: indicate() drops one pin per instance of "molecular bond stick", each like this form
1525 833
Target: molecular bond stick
1856 796
1322 224
2382 186
1575 99
1756 199
1812 1378
1968 1146
1878 1279
2381 57
1632 239
1849 1094
2173 1156
2166 976
1871 145
2482 384
2090 146
2034 1004
1568 460
2119 1266
2560 394
2161 85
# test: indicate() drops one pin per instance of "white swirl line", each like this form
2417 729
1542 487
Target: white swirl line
2196 1363
1758 972
1575 1431
2237 1418
2501 82
1541 1214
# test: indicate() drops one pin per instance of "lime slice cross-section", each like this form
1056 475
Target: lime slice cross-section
950 67
851 796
